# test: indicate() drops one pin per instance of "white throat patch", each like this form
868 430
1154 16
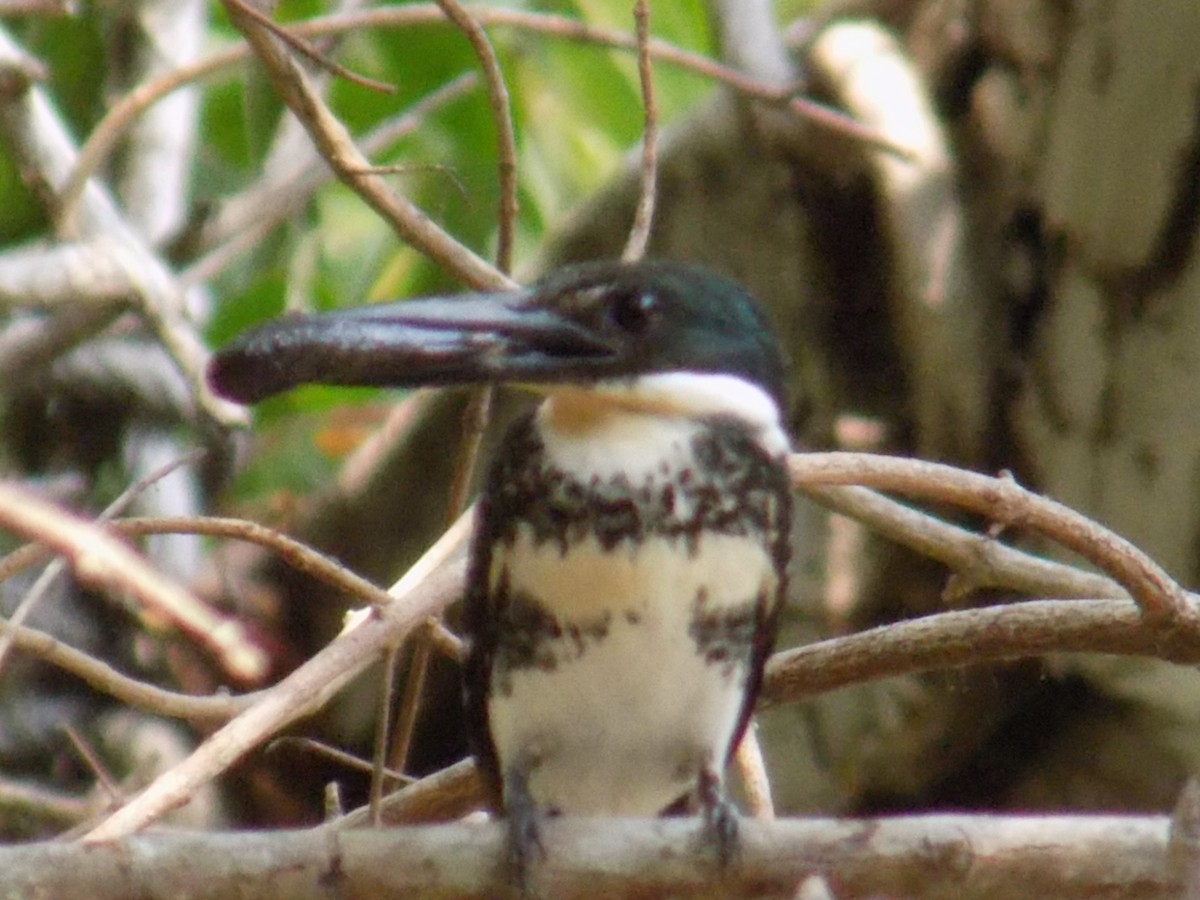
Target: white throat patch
637 426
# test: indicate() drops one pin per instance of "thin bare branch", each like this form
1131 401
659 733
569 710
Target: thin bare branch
448 794
131 691
383 720
53 8
30 343
298 555
158 158
756 783
121 116
244 220
102 561
56 566
336 144
308 51
42 146
575 30
428 587
643 217
118 119
410 701
976 636
474 424
64 274
449 643
977 561
42 804
506 141
92 760
341 757
1008 504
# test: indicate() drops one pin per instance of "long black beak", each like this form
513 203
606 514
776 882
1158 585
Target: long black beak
437 340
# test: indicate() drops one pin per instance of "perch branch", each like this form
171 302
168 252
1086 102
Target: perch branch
983 857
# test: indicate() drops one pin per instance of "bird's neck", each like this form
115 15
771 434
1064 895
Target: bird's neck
631 427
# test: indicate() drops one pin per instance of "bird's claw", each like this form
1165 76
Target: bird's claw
720 817
524 832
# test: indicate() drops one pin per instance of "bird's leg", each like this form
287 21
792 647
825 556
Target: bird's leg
524 829
719 813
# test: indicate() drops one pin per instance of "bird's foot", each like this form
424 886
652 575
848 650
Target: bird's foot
524 831
720 817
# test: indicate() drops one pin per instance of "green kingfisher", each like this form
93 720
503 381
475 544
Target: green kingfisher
631 543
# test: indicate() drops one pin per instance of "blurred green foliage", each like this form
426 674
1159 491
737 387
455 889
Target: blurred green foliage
577 113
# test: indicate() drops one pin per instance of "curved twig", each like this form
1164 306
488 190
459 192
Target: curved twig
1006 502
973 636
977 561
121 115
337 146
101 560
432 583
311 53
506 141
643 218
104 678
52 571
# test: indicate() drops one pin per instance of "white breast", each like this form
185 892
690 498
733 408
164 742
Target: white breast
623 724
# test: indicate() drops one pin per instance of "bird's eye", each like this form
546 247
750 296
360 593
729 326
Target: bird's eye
633 311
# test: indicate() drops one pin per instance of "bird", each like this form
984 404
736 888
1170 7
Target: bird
631 542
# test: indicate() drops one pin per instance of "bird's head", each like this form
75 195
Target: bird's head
661 334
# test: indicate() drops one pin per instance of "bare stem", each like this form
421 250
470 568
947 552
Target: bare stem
643 218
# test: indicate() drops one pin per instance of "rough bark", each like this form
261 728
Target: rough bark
931 857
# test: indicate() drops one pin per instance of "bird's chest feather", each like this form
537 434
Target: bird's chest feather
629 581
